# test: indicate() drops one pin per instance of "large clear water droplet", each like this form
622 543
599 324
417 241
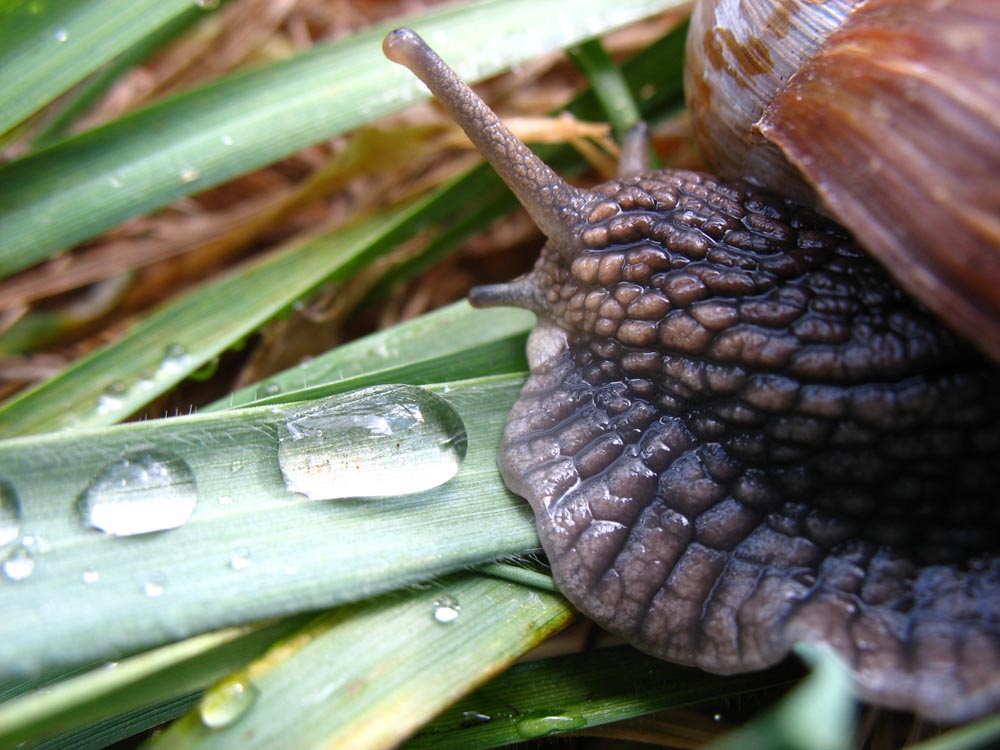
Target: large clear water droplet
140 493
388 440
10 513
227 701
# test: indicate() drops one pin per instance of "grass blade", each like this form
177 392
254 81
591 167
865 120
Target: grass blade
366 676
46 47
249 550
90 182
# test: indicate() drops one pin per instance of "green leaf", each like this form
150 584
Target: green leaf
817 715
46 46
367 675
117 688
86 184
250 549
574 693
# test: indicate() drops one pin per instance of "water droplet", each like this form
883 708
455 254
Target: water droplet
155 586
474 719
239 559
207 4
384 441
227 140
61 35
271 389
189 174
290 570
175 359
146 381
225 500
10 513
91 576
139 493
541 724
115 181
19 564
111 399
446 609
717 717
37 544
227 701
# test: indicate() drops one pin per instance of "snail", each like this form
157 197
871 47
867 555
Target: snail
739 433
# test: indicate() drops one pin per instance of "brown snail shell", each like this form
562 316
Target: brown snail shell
738 433
886 111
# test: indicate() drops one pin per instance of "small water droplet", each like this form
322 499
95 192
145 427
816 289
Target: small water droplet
189 174
227 701
109 665
115 181
227 140
111 399
175 359
717 717
146 381
10 513
91 576
139 493
271 389
19 564
207 4
385 441
155 586
239 559
37 544
446 609
290 570
541 724
474 719
61 34
225 499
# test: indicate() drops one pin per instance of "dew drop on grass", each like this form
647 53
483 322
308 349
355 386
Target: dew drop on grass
91 576
386 441
543 724
111 400
139 493
207 4
61 35
10 513
189 174
155 586
175 360
239 559
19 565
227 701
446 609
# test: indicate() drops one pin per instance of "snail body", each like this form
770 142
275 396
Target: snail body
739 432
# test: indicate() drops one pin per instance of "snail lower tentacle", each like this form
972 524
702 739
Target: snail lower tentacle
739 433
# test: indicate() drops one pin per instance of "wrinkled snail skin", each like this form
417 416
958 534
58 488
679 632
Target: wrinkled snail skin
739 433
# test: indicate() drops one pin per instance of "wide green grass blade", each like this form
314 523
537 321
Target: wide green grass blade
88 183
574 693
118 688
250 550
367 675
46 46
454 342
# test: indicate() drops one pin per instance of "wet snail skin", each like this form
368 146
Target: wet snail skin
739 432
